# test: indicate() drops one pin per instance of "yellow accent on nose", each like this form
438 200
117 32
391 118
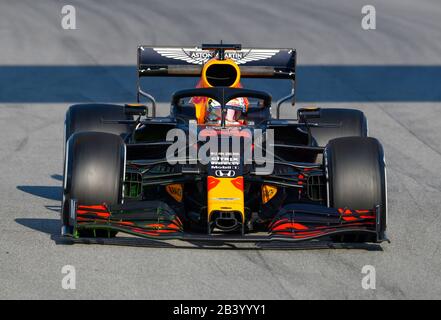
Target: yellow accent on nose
225 195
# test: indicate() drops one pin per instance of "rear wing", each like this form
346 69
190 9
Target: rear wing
188 62
156 61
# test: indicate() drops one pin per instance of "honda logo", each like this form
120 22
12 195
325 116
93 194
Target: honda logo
225 173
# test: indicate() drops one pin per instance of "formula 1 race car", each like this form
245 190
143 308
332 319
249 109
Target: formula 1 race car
219 167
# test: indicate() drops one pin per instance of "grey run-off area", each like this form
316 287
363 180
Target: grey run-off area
391 73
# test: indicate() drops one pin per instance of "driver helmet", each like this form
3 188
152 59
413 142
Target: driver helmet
235 108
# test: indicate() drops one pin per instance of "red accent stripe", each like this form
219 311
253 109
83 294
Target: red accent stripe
94 207
238 183
212 182
291 225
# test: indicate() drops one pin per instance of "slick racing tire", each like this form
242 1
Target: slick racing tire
356 174
352 123
94 171
88 117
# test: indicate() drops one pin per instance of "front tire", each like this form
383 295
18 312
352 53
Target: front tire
356 176
94 171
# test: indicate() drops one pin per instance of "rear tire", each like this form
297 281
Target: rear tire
88 117
356 176
94 171
353 124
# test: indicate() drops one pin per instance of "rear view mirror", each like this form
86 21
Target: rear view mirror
308 113
135 109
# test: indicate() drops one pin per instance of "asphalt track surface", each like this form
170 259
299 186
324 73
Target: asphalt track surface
44 68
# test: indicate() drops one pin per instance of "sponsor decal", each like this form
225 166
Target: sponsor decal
176 191
225 173
199 56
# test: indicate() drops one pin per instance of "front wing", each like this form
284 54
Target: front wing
294 223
